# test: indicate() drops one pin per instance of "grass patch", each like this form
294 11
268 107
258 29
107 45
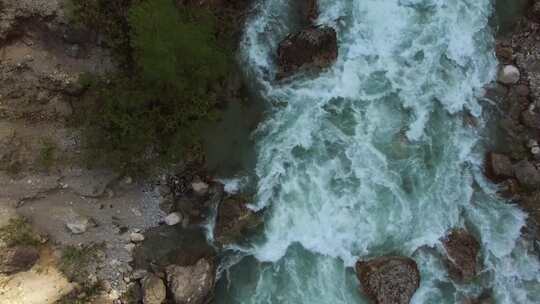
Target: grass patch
47 154
18 232
76 260
76 263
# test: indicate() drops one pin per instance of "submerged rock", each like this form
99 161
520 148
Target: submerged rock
153 290
314 47
234 220
191 284
308 10
498 167
462 249
17 259
389 280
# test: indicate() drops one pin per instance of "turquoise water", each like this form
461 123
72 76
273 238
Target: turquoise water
372 157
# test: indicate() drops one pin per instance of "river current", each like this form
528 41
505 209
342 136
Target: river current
372 156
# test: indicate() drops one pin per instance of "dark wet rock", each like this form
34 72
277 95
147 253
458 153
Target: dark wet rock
504 53
498 167
522 90
153 290
167 245
191 284
527 174
462 249
484 298
389 280
308 10
196 208
17 259
496 92
531 119
235 219
314 47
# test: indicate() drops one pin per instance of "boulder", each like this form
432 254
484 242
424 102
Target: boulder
498 167
314 47
509 74
153 289
527 174
191 284
17 258
234 220
389 280
462 250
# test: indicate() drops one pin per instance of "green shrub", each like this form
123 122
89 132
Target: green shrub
108 18
154 113
76 260
18 232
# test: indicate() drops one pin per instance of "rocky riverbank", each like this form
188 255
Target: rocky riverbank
514 162
81 234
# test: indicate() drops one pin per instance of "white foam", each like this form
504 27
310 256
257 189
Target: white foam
368 158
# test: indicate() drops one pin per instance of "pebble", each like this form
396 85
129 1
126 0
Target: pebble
173 218
200 188
136 237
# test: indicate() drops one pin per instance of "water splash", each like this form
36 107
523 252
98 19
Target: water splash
371 157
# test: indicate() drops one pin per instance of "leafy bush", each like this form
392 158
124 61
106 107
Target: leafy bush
153 113
18 233
107 17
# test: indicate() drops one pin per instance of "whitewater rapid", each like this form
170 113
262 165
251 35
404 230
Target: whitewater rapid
372 157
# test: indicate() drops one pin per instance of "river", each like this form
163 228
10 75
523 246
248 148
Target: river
372 157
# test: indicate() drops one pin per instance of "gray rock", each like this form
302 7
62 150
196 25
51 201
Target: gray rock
136 237
79 224
200 188
139 274
509 74
173 218
191 284
527 174
389 280
153 290
91 183
17 259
